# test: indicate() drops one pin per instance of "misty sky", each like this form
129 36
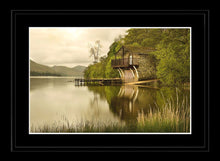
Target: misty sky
69 46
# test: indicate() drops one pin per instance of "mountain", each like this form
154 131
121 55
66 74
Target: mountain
65 71
39 70
79 68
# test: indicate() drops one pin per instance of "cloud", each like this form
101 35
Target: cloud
69 46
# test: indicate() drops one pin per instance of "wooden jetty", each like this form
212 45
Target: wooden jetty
97 81
142 82
109 81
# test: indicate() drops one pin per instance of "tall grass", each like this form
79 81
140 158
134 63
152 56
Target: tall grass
82 127
172 116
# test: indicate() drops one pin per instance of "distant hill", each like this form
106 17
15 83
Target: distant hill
79 68
65 71
43 70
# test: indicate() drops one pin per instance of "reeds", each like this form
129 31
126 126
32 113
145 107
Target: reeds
80 126
172 116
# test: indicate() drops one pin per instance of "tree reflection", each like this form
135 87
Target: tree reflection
94 104
126 101
130 101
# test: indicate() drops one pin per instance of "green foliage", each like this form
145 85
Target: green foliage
172 50
103 68
173 53
96 70
143 37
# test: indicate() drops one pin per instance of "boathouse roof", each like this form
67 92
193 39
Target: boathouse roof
134 50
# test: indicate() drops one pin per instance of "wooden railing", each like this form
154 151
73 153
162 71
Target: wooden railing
126 62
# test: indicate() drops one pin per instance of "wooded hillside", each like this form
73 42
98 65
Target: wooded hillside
171 48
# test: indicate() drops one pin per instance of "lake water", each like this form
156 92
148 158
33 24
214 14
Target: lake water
57 101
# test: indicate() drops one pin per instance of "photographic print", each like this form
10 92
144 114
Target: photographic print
110 80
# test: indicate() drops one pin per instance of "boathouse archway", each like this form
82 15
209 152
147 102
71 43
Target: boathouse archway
134 64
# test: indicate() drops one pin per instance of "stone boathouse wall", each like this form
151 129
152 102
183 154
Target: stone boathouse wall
147 66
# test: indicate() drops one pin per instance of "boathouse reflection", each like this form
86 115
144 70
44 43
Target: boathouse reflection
132 100
127 101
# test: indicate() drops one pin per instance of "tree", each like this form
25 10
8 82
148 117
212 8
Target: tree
173 53
103 68
95 50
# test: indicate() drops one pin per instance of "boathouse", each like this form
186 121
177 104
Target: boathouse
135 63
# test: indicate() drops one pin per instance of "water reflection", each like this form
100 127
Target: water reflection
126 102
130 101
42 83
51 98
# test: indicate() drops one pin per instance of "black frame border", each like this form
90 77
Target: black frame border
205 13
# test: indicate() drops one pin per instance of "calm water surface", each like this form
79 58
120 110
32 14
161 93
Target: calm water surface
54 100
